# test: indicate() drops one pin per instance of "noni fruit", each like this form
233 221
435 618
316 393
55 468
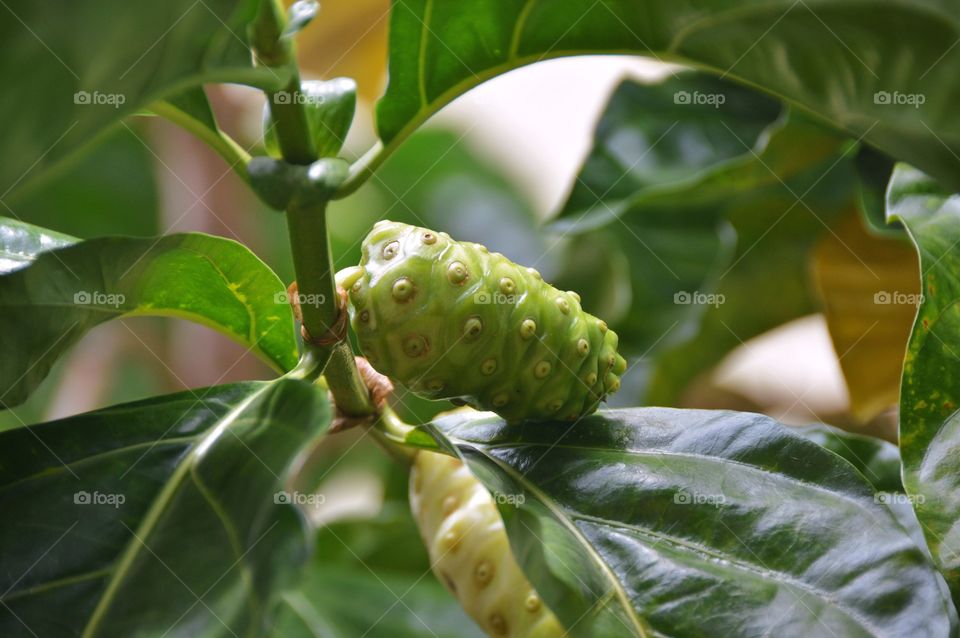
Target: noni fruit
470 552
451 320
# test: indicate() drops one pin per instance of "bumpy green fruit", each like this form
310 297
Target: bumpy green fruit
452 320
470 551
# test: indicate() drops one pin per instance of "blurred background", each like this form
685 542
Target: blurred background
492 167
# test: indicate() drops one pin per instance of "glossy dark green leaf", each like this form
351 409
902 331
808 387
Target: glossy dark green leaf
713 202
160 517
689 522
876 459
350 600
883 71
20 243
329 105
92 63
95 194
930 389
51 301
654 136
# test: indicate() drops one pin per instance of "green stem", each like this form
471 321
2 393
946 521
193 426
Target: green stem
272 50
224 145
354 399
307 228
307 220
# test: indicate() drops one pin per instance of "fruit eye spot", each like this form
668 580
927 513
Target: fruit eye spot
483 573
428 238
390 250
534 273
574 294
532 603
449 504
528 328
489 366
542 369
507 286
415 346
591 378
434 385
555 405
501 399
603 326
583 347
498 624
403 289
563 305
456 273
472 328
365 316
451 541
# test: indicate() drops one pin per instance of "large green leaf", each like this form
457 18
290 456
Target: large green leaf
349 601
159 517
689 522
78 67
712 203
50 299
876 459
883 71
930 389
95 195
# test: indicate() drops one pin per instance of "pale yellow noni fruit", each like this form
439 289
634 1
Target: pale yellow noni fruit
470 552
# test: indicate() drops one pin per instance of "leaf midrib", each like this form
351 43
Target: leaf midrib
638 624
154 514
735 562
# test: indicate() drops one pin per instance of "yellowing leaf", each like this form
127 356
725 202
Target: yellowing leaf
870 289
348 38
